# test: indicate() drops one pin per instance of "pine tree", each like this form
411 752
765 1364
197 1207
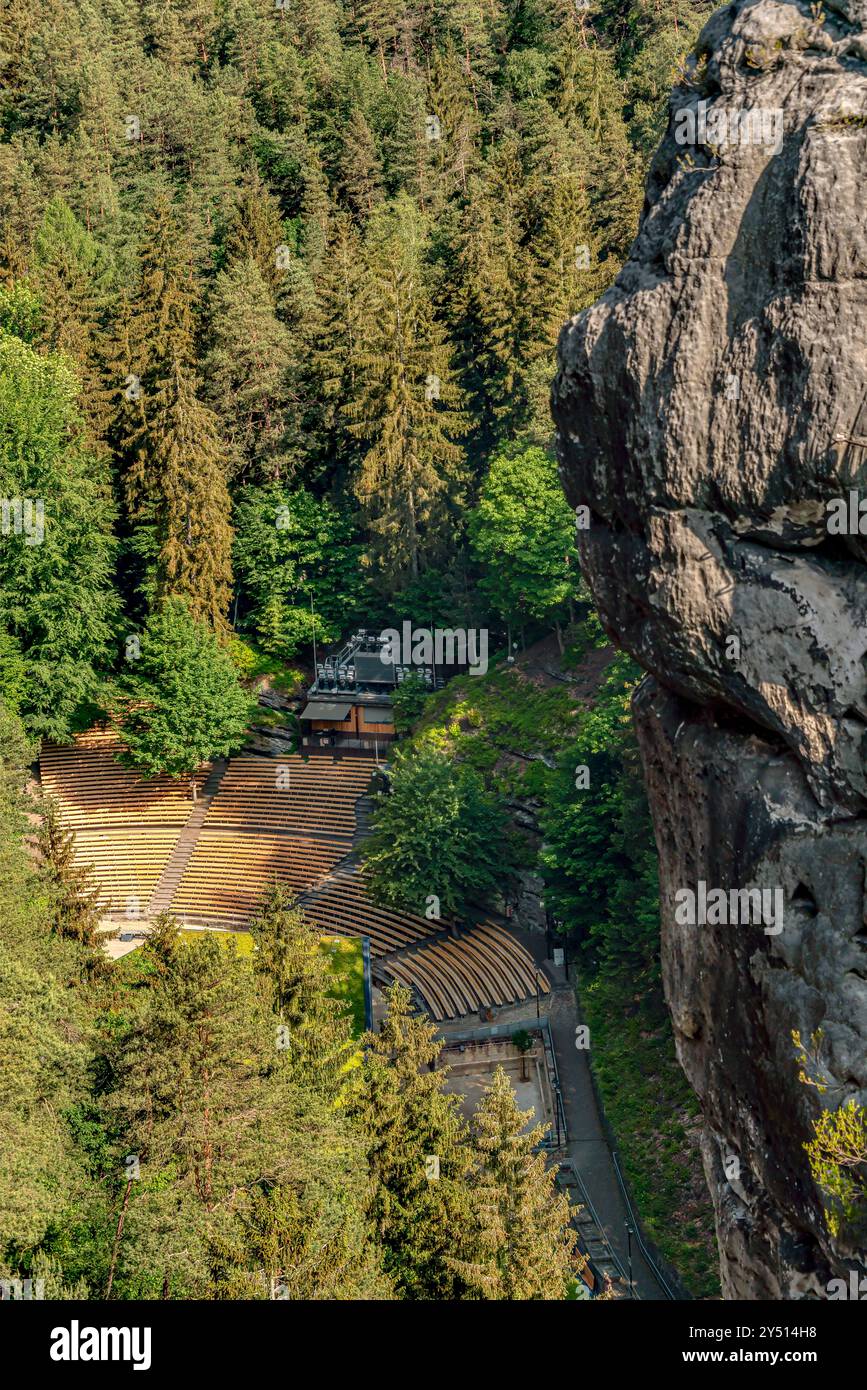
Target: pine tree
197 1100
293 1244
314 1027
179 495
523 1244
247 371
360 168
409 1120
330 380
407 406
256 232
73 278
71 888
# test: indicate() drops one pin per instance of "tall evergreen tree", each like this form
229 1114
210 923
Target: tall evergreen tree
409 1120
315 1028
246 371
407 406
71 887
73 278
176 488
523 1244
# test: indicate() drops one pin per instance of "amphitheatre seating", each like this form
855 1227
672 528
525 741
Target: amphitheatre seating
485 966
229 872
93 789
319 799
343 906
126 864
256 832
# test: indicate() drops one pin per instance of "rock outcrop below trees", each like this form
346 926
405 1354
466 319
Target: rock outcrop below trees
709 407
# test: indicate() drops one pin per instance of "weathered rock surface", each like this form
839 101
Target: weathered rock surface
709 406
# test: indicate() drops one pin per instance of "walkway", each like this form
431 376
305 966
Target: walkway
167 884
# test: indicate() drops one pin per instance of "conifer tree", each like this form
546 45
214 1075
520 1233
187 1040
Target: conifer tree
409 1120
285 1244
407 406
180 704
360 168
196 1099
523 1244
330 380
180 499
246 371
73 279
175 480
315 1028
71 887
256 232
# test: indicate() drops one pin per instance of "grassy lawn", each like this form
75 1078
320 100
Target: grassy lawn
655 1118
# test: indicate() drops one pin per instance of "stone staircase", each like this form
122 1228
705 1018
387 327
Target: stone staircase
167 884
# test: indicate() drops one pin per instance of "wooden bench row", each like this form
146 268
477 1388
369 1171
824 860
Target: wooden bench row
92 789
483 968
344 906
124 864
228 874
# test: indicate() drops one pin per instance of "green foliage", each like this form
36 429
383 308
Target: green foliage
521 1239
838 1163
56 549
289 547
408 702
19 310
181 703
314 1028
437 832
599 858
523 535
406 1117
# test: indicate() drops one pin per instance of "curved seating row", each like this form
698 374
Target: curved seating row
482 968
229 871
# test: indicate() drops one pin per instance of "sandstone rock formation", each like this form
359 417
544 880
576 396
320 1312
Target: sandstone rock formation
709 406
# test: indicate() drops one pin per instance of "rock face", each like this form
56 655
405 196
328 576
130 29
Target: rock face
709 407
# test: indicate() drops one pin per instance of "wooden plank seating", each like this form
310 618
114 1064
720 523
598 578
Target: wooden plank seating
256 832
92 788
126 864
229 872
484 967
319 799
344 907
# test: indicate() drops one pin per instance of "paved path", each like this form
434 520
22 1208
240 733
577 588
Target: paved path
587 1147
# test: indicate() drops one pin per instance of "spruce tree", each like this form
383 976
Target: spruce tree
256 231
413 1130
246 371
180 499
73 279
522 1242
315 1029
360 168
71 887
407 406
